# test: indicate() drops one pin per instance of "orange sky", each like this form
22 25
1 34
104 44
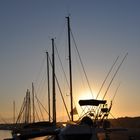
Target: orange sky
102 30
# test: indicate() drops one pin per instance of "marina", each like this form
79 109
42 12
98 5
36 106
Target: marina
93 124
83 85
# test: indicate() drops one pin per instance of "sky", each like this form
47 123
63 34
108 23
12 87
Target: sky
102 30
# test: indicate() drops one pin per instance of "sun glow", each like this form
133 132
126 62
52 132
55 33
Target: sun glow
84 95
87 95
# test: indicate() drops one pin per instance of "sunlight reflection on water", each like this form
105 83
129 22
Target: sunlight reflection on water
7 134
39 138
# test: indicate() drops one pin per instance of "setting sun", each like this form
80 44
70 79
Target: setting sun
88 95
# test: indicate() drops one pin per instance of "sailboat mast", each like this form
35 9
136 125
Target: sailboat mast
13 111
48 77
27 107
33 103
70 66
53 82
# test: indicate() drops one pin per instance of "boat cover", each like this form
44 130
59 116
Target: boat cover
91 102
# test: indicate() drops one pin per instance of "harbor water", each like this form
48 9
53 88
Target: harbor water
7 134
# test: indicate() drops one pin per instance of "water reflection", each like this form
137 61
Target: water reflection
39 138
5 134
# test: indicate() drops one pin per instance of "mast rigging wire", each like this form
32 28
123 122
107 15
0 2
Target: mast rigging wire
40 70
60 92
81 63
116 92
112 81
63 70
37 114
62 65
115 75
21 111
40 109
107 76
41 105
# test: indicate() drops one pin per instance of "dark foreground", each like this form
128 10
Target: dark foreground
132 124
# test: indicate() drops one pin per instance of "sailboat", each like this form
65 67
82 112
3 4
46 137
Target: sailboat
90 126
